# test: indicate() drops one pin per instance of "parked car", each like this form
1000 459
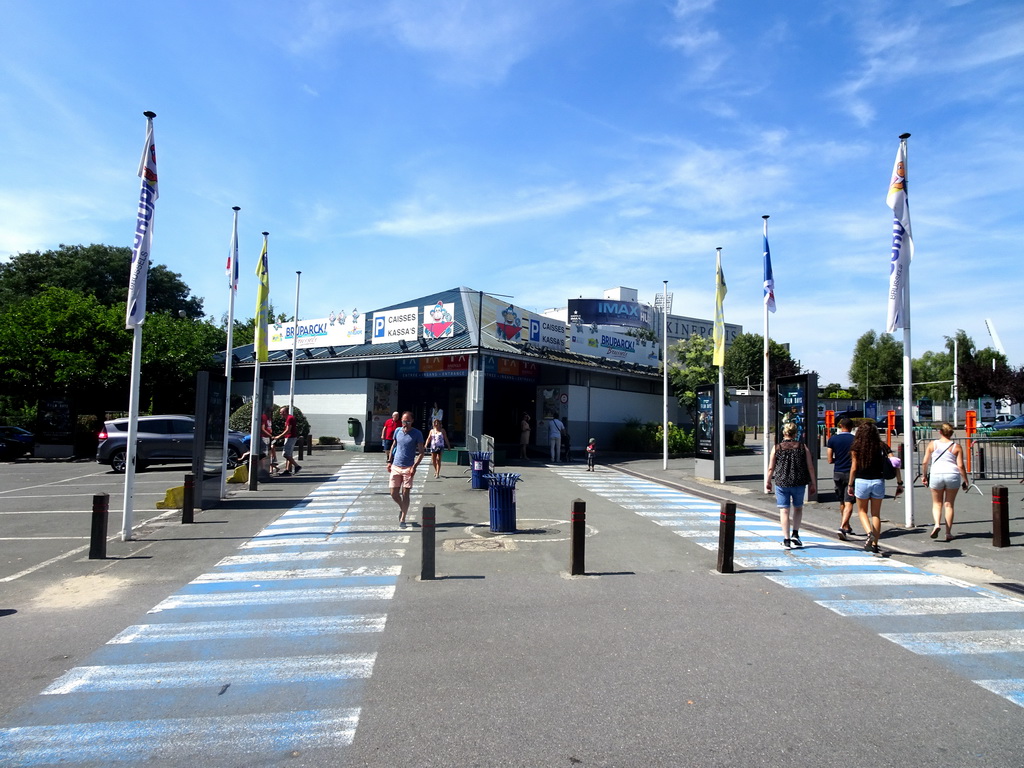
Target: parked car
883 424
161 440
1017 423
999 418
19 442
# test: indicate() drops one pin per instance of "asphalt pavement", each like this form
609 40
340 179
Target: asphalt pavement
290 626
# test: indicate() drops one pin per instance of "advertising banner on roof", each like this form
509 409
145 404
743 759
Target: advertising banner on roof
331 331
610 312
439 320
587 340
508 322
546 331
393 325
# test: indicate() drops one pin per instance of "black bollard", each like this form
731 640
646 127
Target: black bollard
981 462
726 536
98 534
302 444
427 529
1000 517
578 538
309 444
188 500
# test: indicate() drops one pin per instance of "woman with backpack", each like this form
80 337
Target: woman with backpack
870 467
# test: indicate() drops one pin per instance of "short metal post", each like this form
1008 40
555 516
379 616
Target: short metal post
578 538
98 534
302 444
309 444
1000 516
188 500
427 530
726 536
981 462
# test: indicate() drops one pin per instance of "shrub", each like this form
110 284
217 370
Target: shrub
637 437
327 440
241 420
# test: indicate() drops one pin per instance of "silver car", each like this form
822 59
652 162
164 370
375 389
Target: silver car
161 440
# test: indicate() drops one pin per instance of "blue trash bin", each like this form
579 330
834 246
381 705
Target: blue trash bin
502 487
480 466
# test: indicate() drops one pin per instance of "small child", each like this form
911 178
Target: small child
591 453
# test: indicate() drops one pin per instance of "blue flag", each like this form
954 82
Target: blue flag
769 280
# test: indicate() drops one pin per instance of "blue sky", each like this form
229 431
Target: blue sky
546 149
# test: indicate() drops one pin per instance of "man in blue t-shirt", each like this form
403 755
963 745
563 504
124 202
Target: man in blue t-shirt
406 454
839 456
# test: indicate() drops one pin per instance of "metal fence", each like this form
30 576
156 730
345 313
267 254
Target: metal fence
986 458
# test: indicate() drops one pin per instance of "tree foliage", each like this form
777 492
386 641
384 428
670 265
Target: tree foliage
101 271
877 366
693 369
744 361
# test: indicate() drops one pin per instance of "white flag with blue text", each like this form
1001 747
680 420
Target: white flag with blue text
902 241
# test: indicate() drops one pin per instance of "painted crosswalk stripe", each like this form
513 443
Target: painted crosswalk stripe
921 606
328 542
971 641
211 672
249 628
299 573
858 579
277 597
330 554
150 741
1010 689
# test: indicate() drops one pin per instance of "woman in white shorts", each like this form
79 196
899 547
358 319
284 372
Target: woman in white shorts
945 458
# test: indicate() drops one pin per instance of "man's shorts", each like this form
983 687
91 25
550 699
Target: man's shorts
842 481
289 447
401 477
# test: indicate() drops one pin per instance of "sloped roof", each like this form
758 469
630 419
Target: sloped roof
464 340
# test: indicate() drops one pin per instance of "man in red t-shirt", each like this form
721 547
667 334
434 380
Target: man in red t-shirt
387 435
291 431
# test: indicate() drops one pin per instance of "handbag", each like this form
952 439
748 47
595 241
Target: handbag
888 468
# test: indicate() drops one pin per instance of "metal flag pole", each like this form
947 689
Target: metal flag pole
720 337
908 373
295 345
765 450
258 351
664 381
232 288
141 250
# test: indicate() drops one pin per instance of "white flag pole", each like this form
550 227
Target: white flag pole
295 345
136 315
720 427
908 380
664 379
232 288
765 450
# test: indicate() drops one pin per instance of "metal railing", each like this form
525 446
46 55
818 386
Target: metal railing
986 457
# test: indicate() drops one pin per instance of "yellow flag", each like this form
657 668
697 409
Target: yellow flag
262 305
720 290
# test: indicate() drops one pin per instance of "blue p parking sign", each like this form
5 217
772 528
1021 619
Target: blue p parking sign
534 329
378 327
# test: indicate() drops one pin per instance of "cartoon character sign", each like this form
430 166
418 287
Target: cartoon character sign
438 322
508 324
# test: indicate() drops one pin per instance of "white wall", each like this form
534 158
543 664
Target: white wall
328 404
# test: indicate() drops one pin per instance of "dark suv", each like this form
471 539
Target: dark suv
161 440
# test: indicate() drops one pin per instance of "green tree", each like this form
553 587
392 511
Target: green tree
693 369
877 366
63 342
933 367
101 271
744 361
